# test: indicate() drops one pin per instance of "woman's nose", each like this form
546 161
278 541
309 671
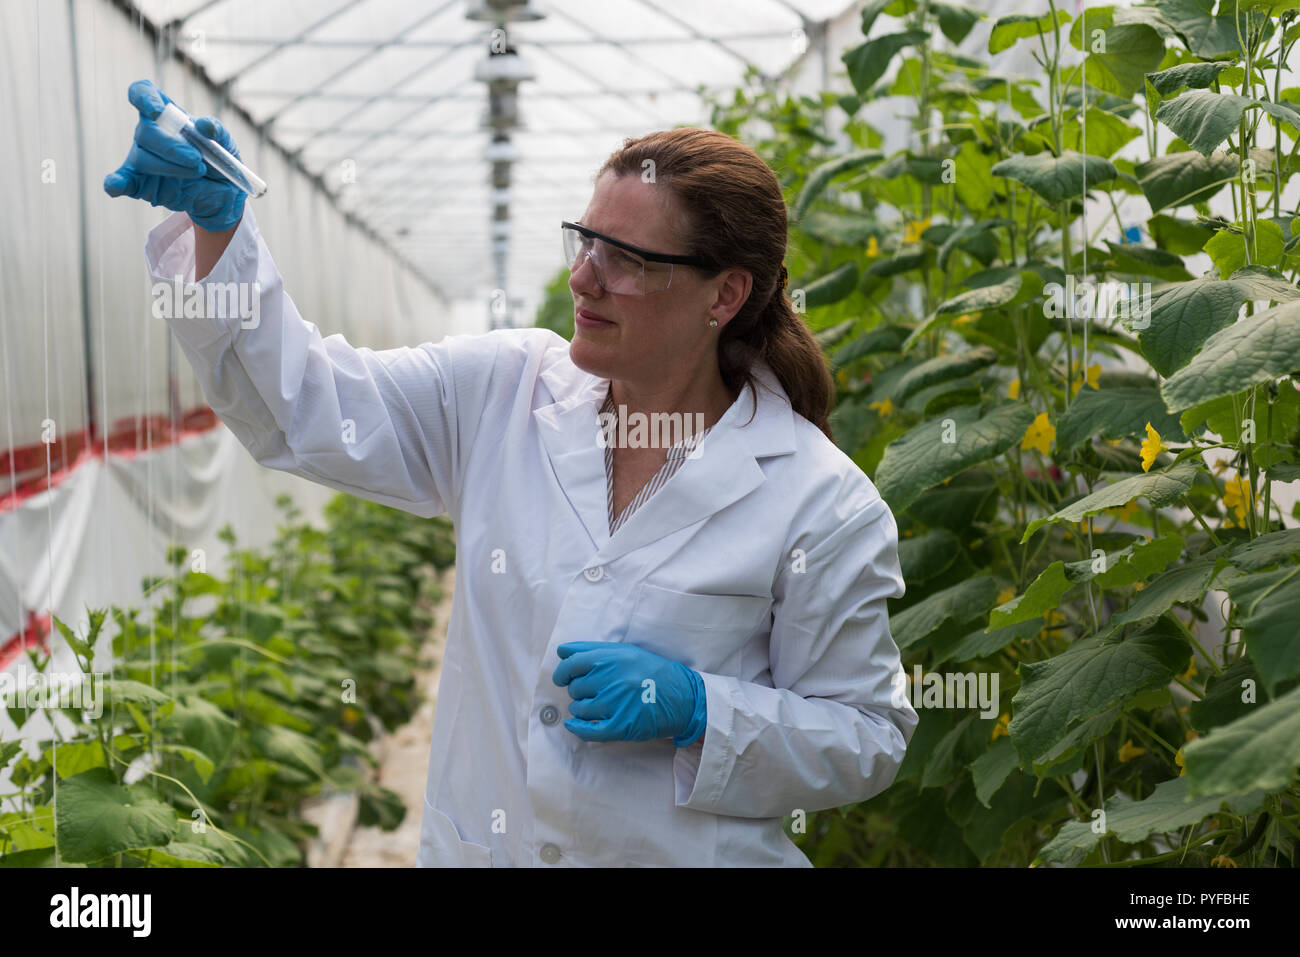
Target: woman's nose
584 278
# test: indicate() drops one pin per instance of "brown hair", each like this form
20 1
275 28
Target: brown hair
735 216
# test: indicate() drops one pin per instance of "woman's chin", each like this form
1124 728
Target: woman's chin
590 357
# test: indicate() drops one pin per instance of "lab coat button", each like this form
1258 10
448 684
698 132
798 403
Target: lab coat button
550 714
550 853
594 574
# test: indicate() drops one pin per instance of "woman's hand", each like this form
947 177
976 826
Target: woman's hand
622 692
164 170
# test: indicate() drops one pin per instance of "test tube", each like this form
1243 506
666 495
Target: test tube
177 122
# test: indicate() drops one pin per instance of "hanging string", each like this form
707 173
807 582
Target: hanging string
45 325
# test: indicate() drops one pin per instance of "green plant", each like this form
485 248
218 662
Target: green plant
216 724
1060 525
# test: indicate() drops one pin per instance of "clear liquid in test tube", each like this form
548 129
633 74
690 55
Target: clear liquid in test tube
177 122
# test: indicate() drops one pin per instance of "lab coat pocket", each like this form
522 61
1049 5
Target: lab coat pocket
441 844
702 631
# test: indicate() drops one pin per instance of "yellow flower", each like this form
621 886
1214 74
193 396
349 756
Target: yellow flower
1054 617
1130 751
1001 727
1014 390
1039 435
1151 448
1191 670
1113 441
966 319
884 405
1223 860
1234 495
873 247
912 231
1006 594
1124 511
1178 760
1094 378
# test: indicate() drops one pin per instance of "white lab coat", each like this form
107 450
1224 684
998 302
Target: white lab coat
764 564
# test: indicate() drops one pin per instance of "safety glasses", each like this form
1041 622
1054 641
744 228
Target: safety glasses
621 267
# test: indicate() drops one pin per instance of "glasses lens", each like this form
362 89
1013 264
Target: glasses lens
617 270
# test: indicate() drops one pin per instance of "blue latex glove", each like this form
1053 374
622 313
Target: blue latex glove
166 171
622 692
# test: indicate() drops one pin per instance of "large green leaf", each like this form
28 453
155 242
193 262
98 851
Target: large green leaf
1131 51
1113 413
1184 315
1222 703
883 338
985 297
820 177
1168 808
1181 179
942 368
974 177
959 603
289 747
1268 604
204 727
1043 594
832 287
1207 35
1086 679
1145 261
955 21
1261 750
96 817
1258 349
1186 583
980 643
1057 179
1204 119
944 447
1228 249
992 767
1138 562
960 236
1159 488
1194 74
1101 134
1019 26
868 62
922 557
1262 552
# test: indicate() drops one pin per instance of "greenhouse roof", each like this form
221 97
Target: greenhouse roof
398 87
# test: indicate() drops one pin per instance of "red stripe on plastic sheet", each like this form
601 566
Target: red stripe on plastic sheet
35 633
128 437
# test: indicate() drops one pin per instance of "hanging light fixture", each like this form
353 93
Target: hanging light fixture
503 11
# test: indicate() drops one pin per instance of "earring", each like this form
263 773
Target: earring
713 323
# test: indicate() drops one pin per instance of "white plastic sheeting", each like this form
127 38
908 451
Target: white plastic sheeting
73 285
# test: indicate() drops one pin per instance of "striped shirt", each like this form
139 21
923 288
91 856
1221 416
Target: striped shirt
676 456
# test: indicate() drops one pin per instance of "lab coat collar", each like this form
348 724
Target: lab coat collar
725 470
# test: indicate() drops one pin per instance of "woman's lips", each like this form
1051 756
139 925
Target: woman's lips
589 319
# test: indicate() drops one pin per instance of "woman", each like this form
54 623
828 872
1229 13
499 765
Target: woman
711 617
